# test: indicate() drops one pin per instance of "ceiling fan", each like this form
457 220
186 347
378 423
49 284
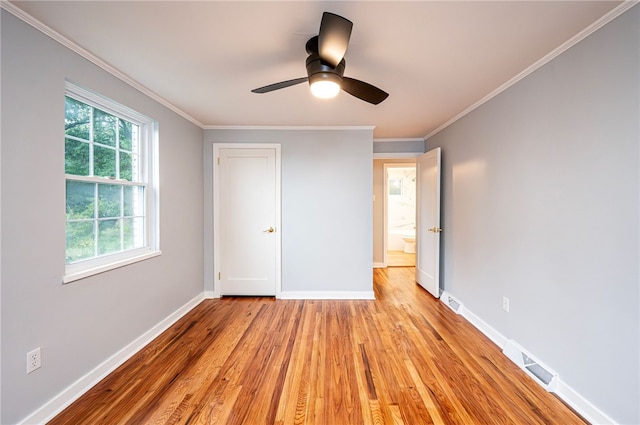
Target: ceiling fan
326 64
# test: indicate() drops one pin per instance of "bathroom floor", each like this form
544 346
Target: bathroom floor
400 259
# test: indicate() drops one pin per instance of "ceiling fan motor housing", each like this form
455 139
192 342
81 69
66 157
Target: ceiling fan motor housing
318 70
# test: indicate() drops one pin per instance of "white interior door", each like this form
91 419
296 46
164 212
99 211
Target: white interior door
248 225
428 222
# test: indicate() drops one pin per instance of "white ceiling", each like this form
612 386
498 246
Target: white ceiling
435 58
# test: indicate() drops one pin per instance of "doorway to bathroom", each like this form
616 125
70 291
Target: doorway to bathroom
400 214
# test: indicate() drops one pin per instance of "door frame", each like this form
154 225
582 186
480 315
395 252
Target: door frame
385 203
216 211
410 157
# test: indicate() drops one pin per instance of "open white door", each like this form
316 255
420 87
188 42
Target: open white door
247 228
428 222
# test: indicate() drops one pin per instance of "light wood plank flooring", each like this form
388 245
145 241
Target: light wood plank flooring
400 259
404 358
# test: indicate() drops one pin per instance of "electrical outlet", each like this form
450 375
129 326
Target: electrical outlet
505 304
34 360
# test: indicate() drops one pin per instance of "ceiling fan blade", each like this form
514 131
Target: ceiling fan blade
333 39
364 91
280 85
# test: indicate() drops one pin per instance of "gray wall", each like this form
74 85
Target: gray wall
398 146
81 324
540 204
326 206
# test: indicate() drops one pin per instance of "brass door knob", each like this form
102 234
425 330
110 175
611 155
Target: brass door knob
435 229
269 230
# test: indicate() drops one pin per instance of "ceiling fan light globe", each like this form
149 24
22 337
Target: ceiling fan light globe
325 89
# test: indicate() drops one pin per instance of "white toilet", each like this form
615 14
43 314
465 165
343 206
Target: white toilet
409 239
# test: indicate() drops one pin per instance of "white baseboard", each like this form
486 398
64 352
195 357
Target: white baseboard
379 265
327 295
495 336
210 295
581 405
58 403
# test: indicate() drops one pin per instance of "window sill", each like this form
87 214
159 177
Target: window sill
71 277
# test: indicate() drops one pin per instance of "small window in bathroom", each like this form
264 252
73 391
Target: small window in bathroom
395 186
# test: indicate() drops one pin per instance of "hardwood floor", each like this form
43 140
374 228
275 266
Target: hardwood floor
404 358
400 259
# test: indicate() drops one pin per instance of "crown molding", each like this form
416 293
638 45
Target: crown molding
46 30
287 128
604 20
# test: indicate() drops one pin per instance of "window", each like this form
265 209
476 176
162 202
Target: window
111 198
395 186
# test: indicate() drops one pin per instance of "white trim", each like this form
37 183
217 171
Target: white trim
40 26
485 328
327 295
216 212
209 295
577 402
614 13
278 149
73 276
58 403
379 265
104 180
98 100
215 171
287 127
581 405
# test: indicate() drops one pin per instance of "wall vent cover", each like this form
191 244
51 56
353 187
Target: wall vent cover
452 303
542 374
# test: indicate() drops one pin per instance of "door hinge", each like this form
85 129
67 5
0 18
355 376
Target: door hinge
219 276
218 160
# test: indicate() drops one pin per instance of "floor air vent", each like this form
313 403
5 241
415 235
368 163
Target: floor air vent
452 303
545 376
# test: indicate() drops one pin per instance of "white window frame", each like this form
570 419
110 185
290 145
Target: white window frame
148 157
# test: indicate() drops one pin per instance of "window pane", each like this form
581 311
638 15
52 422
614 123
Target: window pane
77 118
104 128
133 230
76 157
80 200
109 200
104 162
108 236
395 187
133 201
126 134
80 241
126 167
